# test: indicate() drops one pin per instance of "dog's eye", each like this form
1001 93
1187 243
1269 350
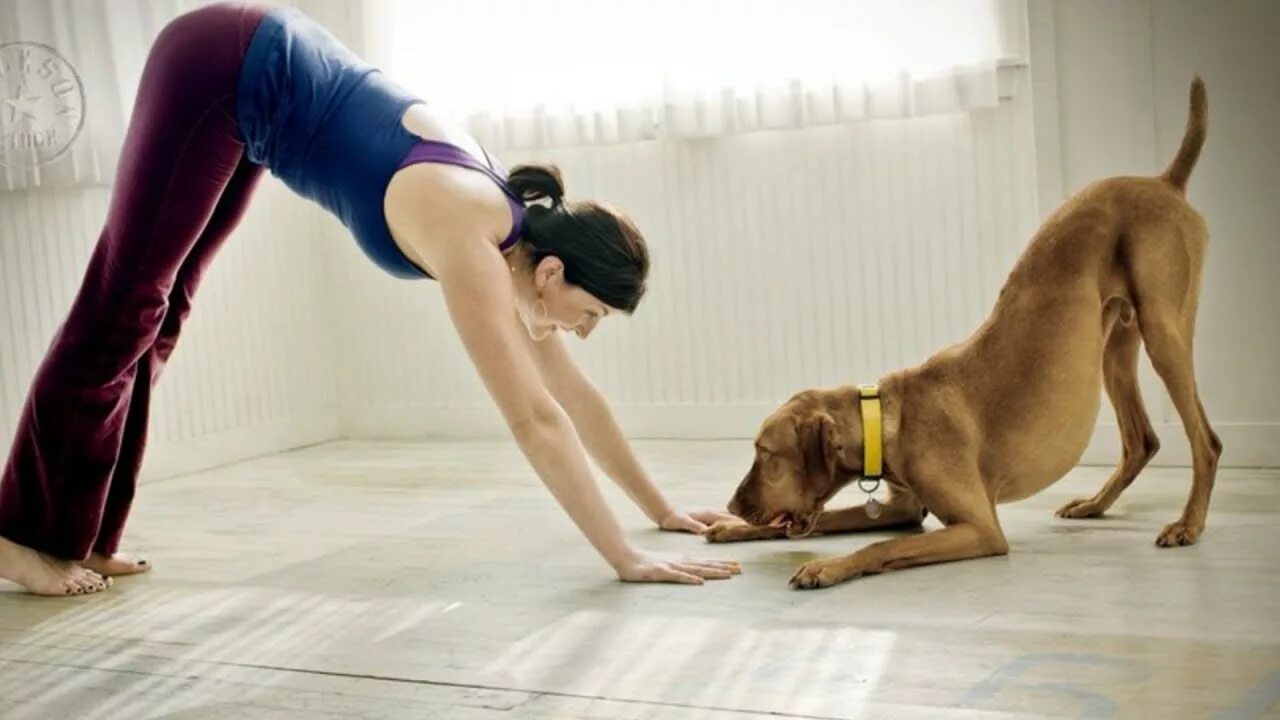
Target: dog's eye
764 455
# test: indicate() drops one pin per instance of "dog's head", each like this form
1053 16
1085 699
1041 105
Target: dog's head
802 458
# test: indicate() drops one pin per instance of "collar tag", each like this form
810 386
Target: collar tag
872 446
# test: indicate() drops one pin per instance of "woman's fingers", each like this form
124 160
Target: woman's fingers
708 573
709 570
730 565
690 524
677 574
711 517
653 568
683 522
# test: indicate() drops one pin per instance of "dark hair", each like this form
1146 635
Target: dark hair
602 250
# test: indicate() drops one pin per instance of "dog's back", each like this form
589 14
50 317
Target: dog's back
1089 236
1121 252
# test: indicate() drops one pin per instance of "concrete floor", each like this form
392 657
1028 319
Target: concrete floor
440 581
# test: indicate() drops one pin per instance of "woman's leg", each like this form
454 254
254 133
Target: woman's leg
181 151
226 216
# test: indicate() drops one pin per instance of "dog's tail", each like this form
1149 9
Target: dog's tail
1192 140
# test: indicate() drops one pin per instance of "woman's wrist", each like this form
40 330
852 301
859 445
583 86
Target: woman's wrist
661 512
623 556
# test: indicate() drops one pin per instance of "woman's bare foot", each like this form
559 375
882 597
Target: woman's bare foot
118 564
45 575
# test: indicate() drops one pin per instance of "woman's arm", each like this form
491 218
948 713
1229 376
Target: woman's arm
478 291
603 438
477 288
596 426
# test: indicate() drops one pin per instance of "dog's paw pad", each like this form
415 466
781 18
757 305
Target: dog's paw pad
1178 534
803 580
817 574
1080 508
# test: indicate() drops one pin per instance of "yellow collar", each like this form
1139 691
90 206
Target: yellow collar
872 432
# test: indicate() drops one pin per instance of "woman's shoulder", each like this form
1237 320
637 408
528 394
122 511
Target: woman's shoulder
454 175
430 207
446 193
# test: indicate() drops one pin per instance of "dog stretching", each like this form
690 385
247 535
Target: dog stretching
1010 411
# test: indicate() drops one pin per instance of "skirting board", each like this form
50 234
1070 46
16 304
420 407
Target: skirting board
1246 444
180 457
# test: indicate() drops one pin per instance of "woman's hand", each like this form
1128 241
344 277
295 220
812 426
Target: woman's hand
694 522
641 566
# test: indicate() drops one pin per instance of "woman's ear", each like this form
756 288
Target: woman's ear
547 271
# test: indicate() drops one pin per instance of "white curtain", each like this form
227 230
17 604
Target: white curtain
573 72
562 72
106 44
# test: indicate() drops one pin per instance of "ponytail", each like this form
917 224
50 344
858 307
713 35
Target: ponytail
535 182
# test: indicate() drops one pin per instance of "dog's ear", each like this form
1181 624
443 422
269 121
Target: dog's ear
826 443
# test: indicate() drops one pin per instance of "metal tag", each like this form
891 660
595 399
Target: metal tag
873 508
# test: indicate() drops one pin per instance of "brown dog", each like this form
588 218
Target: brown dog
1008 412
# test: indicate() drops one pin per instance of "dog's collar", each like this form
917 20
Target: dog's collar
872 447
872 433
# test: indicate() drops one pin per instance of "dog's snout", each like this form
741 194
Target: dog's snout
735 507
740 504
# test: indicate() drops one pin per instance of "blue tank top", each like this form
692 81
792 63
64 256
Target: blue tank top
329 126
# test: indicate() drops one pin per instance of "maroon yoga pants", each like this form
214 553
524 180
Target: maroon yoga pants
182 185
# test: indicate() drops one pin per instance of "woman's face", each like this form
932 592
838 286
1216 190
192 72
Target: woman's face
563 306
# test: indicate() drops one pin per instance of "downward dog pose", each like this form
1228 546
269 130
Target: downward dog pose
227 91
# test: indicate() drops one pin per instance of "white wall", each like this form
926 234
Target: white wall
253 372
809 258
1118 106
780 261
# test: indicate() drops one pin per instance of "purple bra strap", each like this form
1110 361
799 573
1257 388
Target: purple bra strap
436 151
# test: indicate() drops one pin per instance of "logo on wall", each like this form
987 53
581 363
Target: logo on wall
41 104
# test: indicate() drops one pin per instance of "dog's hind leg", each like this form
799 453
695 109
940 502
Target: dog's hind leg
1120 374
1165 270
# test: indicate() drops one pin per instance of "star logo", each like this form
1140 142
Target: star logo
22 103
42 104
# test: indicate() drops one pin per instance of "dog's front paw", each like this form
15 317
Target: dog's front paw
1081 508
822 573
1179 534
729 531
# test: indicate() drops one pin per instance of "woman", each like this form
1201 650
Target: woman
227 90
